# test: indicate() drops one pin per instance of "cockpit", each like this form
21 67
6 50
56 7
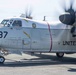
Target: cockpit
23 22
11 22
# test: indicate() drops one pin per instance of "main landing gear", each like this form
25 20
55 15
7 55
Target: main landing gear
60 55
2 59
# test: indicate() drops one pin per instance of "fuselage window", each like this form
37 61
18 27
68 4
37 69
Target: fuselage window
17 23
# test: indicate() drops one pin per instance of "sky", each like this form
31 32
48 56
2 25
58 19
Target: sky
49 8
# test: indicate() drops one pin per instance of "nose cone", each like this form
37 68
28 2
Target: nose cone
66 19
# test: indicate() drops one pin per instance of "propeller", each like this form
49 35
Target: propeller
27 14
69 17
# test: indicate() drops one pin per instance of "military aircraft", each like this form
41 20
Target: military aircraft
19 35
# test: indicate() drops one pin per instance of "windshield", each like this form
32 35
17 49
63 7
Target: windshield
7 22
4 22
11 22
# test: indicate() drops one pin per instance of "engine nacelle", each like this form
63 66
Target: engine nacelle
67 19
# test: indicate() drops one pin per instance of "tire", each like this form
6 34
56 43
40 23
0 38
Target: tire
60 55
2 59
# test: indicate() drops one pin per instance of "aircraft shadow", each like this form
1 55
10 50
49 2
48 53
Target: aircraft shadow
42 60
64 60
72 70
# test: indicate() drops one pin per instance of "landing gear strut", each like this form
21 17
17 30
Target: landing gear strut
60 55
2 59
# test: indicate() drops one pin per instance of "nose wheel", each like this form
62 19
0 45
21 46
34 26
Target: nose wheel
2 59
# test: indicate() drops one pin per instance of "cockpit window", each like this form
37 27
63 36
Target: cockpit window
5 22
9 23
17 23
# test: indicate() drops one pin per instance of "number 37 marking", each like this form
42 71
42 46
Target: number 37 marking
3 34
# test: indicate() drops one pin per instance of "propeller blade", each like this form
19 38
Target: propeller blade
71 4
28 13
